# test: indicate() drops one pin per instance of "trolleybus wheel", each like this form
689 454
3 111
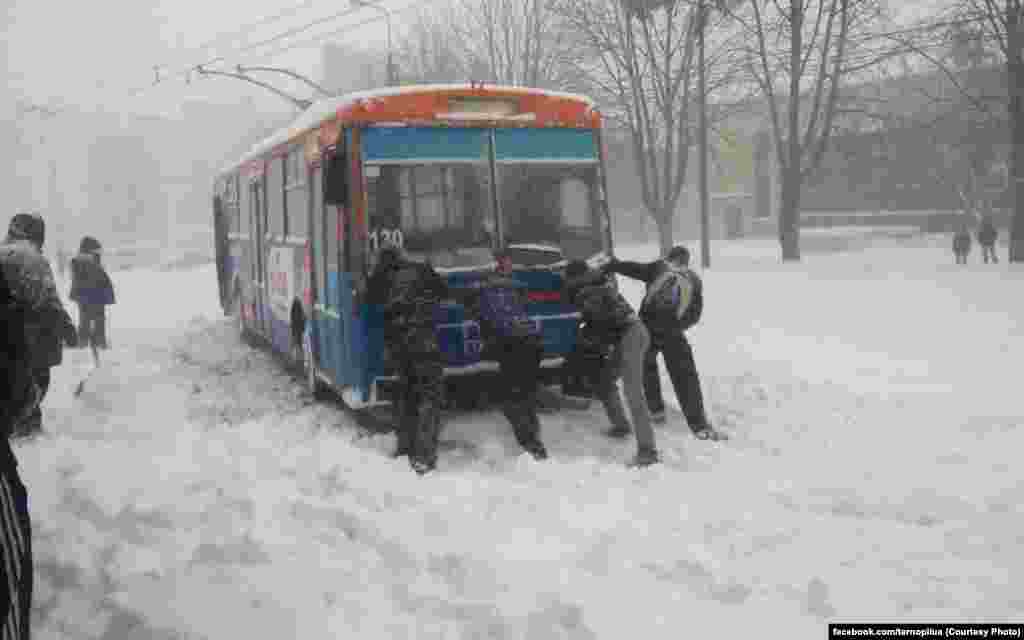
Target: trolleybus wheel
310 372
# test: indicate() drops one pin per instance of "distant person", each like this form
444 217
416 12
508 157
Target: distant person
673 303
511 338
407 292
609 320
46 323
92 289
987 235
962 244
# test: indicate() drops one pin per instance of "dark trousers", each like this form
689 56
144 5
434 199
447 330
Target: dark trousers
420 398
682 370
33 423
519 361
16 549
989 250
92 326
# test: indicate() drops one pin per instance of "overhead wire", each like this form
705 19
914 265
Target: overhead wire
185 71
245 29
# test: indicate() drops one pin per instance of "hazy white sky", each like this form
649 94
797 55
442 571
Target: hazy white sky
98 52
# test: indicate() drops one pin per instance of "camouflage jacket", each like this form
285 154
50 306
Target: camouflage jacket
406 295
34 303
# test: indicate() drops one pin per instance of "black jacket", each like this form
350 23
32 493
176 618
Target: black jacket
90 283
604 310
34 304
987 233
648 272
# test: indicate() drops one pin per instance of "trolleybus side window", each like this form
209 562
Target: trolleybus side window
296 211
245 190
240 214
275 196
231 202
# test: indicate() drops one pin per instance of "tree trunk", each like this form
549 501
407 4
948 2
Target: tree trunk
664 219
789 215
1015 70
789 212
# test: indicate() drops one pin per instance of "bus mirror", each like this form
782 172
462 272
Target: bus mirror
336 180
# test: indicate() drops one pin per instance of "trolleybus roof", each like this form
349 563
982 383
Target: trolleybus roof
330 107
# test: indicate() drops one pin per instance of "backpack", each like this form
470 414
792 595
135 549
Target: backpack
503 313
668 296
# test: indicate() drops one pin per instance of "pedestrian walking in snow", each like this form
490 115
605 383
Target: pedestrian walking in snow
611 321
511 338
46 325
406 293
672 304
987 234
92 290
31 315
962 244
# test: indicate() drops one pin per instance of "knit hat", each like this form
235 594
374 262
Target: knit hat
680 253
28 226
89 244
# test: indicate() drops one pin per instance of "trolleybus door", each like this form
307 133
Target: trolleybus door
260 277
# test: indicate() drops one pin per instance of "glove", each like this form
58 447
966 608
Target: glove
70 334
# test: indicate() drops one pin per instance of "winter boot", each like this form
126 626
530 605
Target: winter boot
618 432
707 432
644 458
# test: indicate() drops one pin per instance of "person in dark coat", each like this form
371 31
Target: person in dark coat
32 317
668 337
609 320
987 235
407 292
92 289
45 322
511 338
962 244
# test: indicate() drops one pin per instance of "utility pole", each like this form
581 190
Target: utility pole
702 138
392 72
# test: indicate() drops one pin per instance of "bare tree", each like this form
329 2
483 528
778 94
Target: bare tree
988 31
513 41
801 85
432 50
639 63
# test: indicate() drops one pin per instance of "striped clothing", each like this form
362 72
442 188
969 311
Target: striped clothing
15 552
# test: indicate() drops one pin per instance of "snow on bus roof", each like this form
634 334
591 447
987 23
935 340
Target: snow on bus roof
322 109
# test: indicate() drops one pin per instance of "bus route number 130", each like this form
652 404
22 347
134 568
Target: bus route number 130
381 237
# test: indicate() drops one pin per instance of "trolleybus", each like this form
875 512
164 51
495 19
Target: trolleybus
450 173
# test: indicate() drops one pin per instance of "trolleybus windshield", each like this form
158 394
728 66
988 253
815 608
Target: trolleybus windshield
552 208
442 213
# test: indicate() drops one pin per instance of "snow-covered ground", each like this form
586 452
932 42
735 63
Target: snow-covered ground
194 491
